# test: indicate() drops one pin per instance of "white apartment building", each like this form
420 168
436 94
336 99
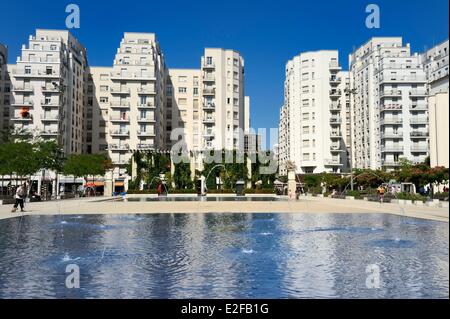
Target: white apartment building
125 103
313 119
436 65
48 85
4 88
223 99
388 104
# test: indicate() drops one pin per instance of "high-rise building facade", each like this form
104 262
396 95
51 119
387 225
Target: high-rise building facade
4 88
49 89
313 118
388 104
436 65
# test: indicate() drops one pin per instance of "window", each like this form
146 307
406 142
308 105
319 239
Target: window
195 91
306 156
305 129
305 116
182 79
182 90
104 88
182 102
305 143
103 100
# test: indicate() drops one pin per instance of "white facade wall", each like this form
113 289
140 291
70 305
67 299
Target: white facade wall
4 88
436 65
48 84
389 108
313 117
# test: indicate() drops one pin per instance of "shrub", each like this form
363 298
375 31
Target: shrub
441 196
220 191
409 196
260 191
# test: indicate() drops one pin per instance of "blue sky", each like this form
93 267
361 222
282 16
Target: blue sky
267 33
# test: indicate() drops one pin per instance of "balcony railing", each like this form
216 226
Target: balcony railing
335 93
26 88
23 103
207 65
151 91
336 134
146 133
50 103
209 91
417 134
333 162
418 93
36 73
419 149
418 107
389 93
120 104
390 163
119 147
21 118
120 133
334 65
392 135
50 118
133 76
335 120
392 148
391 121
391 107
145 147
398 78
120 90
148 105
335 107
210 106
147 118
124 119
419 121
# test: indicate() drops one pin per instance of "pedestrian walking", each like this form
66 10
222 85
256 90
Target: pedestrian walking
21 193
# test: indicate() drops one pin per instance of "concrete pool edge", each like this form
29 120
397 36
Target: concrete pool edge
307 205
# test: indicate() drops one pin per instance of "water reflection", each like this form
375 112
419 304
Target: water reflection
224 256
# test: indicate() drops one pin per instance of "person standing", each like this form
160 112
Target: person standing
21 192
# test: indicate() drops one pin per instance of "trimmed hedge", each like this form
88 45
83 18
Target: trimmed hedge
259 191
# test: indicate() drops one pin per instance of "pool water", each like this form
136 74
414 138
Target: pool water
201 199
224 256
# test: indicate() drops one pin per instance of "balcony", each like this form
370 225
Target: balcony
120 91
402 79
207 65
336 135
336 107
208 133
335 80
146 119
148 105
391 121
419 149
119 119
335 93
120 133
419 135
391 107
209 107
50 118
23 89
390 93
22 118
209 120
418 107
147 91
120 104
335 120
333 162
49 133
52 103
392 149
209 91
334 65
146 134
130 76
336 148
391 135
50 89
418 93
22 103
209 78
418 121
387 163
145 147
119 147
36 74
